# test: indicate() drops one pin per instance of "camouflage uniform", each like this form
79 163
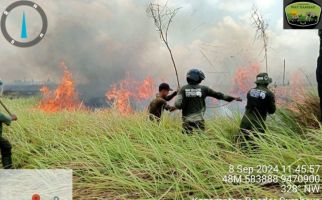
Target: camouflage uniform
158 105
5 146
191 100
260 103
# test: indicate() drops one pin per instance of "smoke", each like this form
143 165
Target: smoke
101 41
98 44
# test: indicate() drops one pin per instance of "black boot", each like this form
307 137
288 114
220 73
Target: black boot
7 162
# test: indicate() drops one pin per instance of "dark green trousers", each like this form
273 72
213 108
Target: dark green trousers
190 127
245 139
5 148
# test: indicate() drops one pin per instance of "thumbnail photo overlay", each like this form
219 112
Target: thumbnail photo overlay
36 184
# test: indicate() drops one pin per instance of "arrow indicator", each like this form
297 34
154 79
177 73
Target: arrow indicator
24 34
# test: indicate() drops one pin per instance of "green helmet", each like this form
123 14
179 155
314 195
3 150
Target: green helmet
263 78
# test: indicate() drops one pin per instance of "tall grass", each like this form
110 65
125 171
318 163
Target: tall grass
129 157
307 113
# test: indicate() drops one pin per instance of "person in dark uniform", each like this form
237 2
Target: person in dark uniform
260 103
319 74
159 104
191 100
5 145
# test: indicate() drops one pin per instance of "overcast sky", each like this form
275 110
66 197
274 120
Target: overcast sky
102 40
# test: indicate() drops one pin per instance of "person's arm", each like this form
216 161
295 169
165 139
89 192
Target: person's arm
319 70
180 100
220 96
169 108
171 96
163 103
156 104
5 119
271 104
320 35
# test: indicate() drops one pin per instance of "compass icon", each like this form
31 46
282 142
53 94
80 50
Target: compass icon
31 27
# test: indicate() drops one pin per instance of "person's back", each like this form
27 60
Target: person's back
191 100
193 105
260 103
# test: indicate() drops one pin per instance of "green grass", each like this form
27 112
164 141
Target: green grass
117 157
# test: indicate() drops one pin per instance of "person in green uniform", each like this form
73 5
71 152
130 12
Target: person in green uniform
260 103
159 104
5 145
191 100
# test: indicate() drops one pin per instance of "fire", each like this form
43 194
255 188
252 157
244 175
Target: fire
297 86
244 78
288 94
126 91
64 97
146 89
44 90
121 95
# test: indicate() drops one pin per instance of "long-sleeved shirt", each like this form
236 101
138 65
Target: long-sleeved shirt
260 103
191 100
4 120
158 105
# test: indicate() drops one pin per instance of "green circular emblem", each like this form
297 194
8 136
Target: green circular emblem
303 14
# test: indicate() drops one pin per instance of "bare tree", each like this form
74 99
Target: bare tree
163 16
261 31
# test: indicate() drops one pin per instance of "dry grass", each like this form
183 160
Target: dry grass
117 157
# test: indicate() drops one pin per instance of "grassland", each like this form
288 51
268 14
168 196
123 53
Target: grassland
128 157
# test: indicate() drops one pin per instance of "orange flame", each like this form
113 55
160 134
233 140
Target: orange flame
244 78
121 97
127 90
288 94
64 97
146 89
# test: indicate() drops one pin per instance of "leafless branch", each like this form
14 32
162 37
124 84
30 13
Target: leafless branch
163 17
261 31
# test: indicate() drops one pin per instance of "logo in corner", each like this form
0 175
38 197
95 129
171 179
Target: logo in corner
302 15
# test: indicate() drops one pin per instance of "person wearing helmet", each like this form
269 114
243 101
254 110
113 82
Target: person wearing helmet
191 100
159 104
260 103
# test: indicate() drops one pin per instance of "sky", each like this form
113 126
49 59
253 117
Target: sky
102 41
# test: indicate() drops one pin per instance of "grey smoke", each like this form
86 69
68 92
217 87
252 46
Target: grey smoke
103 40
